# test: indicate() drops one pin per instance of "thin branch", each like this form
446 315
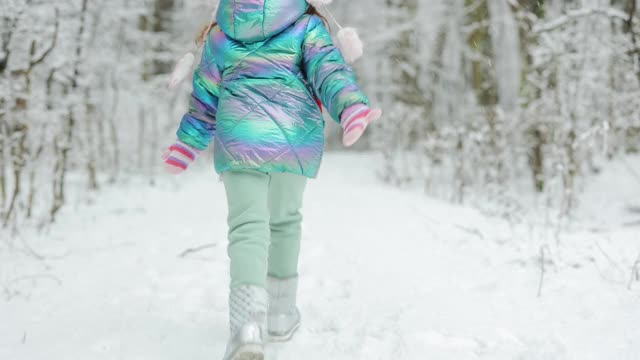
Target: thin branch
196 249
635 272
578 14
608 257
54 41
543 259
472 231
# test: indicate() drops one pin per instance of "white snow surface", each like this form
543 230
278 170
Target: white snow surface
385 274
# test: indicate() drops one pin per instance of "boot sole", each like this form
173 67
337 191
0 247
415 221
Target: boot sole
284 337
249 352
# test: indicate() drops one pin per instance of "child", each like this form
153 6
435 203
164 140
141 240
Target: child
254 95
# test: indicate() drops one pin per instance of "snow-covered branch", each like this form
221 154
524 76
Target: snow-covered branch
578 14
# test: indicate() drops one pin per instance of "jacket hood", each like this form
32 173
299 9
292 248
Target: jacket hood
257 20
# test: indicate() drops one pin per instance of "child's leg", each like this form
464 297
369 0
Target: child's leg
247 196
285 201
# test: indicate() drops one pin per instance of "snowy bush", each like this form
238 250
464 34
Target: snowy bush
483 98
493 97
83 93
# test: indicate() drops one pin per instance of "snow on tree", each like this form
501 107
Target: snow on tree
481 97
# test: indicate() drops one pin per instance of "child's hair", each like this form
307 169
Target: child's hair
313 11
202 36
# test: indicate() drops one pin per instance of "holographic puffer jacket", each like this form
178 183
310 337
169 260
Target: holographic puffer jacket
255 90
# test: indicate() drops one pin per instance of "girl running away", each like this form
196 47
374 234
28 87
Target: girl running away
267 69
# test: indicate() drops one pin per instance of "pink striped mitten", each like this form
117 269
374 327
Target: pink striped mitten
354 121
178 157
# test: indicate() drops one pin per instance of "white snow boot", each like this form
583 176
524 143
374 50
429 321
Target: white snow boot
283 318
247 319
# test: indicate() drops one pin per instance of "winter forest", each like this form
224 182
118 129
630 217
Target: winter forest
510 126
482 97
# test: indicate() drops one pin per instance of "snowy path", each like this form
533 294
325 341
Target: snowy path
413 278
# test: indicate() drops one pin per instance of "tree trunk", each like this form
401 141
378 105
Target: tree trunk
65 146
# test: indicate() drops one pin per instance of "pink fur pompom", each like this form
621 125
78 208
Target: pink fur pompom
350 44
182 70
318 3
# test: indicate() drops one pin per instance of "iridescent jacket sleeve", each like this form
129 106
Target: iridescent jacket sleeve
198 125
331 78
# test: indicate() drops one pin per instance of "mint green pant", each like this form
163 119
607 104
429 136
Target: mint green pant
264 225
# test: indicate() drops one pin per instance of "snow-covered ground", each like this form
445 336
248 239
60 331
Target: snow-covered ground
410 277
